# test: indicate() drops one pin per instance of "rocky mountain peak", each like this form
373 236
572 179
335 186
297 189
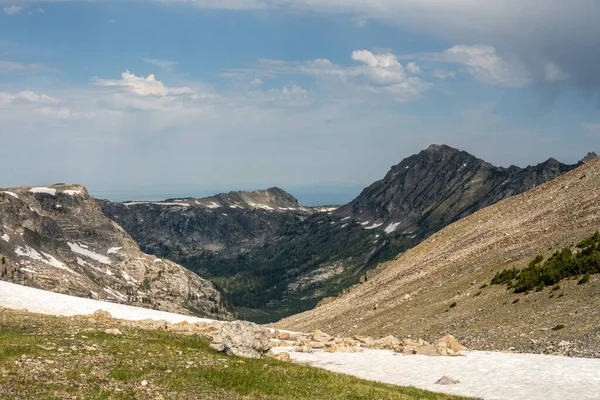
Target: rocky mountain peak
589 157
56 238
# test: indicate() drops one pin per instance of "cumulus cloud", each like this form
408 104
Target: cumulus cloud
413 68
12 10
376 73
139 85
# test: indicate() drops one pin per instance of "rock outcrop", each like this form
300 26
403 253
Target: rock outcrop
243 339
56 238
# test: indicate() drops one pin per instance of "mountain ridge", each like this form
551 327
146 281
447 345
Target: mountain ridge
56 238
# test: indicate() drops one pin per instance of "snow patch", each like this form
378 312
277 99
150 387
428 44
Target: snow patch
11 194
43 257
78 249
27 270
213 205
343 226
17 297
114 250
118 295
482 374
365 223
374 226
42 189
392 227
346 219
157 203
5 237
72 192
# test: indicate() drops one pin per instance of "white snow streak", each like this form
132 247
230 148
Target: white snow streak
5 237
11 194
392 227
43 190
75 248
375 225
43 257
113 250
72 192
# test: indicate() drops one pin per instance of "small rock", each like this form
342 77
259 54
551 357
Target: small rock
113 331
445 380
144 383
283 357
303 349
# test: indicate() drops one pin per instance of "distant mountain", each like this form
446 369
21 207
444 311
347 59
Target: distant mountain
272 262
56 238
443 285
440 185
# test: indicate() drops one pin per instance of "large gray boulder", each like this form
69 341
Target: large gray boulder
243 339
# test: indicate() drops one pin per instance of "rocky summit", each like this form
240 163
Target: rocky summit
56 238
273 257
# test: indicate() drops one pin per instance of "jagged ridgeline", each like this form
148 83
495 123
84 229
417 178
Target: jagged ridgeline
56 238
272 257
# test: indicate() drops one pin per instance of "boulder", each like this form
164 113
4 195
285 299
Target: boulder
243 339
318 336
449 346
445 380
303 349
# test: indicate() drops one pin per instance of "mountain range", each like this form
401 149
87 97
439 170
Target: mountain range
272 257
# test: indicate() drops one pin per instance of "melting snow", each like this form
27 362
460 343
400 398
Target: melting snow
78 249
11 194
375 225
345 219
343 226
213 205
40 301
488 375
72 192
236 205
392 227
365 223
5 237
224 214
43 190
43 257
113 250
157 203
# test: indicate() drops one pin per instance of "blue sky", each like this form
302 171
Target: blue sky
252 93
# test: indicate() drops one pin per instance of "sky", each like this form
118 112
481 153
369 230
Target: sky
137 96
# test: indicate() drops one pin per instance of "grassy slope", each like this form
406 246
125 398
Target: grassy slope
43 357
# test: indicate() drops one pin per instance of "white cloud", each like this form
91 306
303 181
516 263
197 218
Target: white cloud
289 96
12 10
256 82
148 86
165 64
14 66
443 74
483 63
553 72
25 96
63 113
377 73
413 68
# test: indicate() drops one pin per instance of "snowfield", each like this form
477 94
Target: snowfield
488 375
19 297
